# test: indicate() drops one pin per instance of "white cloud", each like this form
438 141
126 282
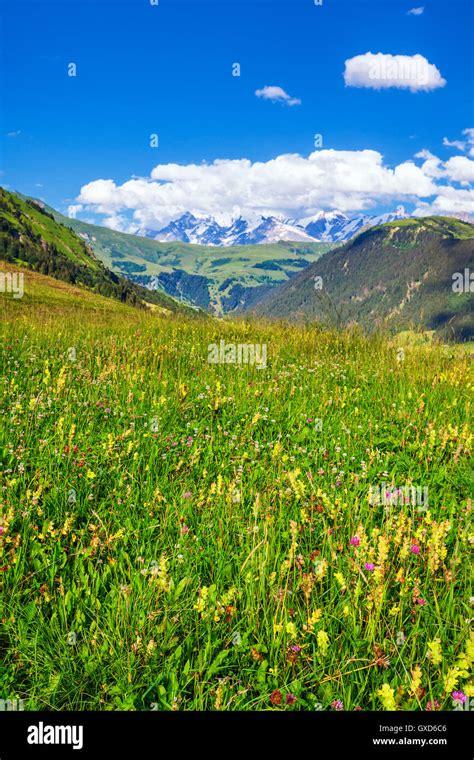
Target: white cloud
289 185
458 144
277 95
382 70
464 145
449 201
432 165
416 11
457 169
116 222
469 140
460 169
73 210
13 134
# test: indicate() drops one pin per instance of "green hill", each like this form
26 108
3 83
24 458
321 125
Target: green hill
31 237
397 275
219 279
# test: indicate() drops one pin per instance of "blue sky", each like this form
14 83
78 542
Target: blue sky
167 69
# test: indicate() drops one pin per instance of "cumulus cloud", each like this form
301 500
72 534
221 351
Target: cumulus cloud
456 169
277 95
448 202
416 11
289 185
460 169
432 165
382 71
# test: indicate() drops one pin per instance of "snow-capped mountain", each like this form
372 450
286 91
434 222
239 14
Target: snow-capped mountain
206 231
332 227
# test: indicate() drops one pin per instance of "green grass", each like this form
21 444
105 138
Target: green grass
20 212
176 534
447 226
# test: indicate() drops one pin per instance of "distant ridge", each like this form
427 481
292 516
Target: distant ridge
395 275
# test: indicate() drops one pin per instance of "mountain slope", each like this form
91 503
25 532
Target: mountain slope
30 236
50 296
217 279
396 275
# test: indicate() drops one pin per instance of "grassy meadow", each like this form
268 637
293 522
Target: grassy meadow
179 535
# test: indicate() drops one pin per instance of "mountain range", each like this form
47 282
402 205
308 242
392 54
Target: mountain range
397 275
325 226
209 277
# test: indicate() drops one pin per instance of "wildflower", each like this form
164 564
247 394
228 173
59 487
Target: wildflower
415 681
432 705
307 583
451 680
340 579
276 697
459 697
355 541
290 699
386 695
320 568
313 619
415 549
2 530
291 630
187 495
295 648
434 652
369 566
184 529
201 603
337 704
323 642
383 549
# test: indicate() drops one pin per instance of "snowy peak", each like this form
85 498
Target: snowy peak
324 226
189 229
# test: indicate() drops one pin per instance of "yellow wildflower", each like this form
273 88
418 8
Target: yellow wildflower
434 652
387 698
323 643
